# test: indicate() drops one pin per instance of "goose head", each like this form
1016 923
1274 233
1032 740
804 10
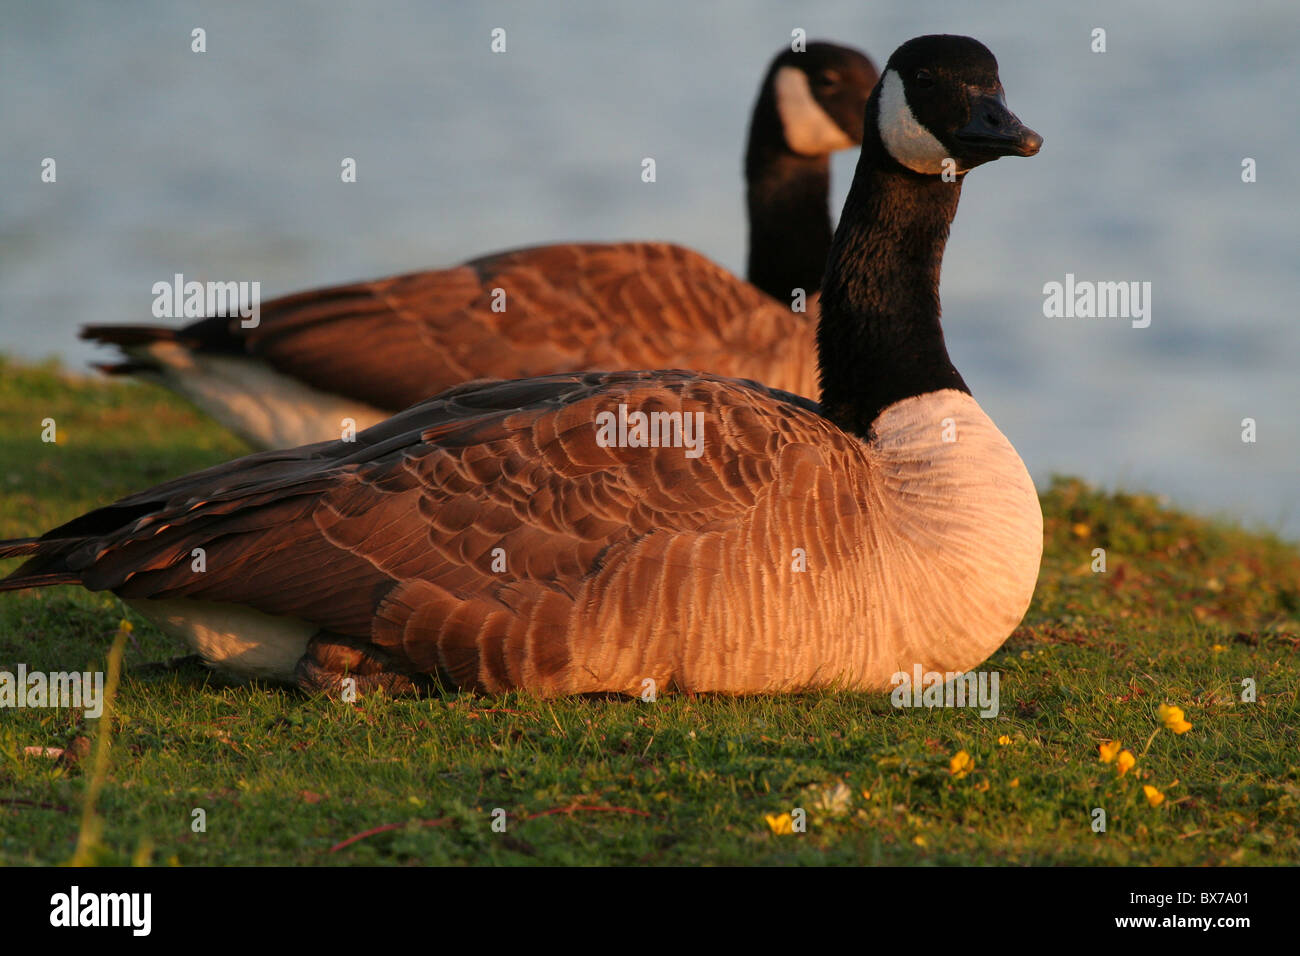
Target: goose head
820 96
937 113
812 103
940 106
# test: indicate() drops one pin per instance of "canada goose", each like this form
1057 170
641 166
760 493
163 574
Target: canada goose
366 350
539 534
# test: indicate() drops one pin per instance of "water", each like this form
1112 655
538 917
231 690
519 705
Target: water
226 165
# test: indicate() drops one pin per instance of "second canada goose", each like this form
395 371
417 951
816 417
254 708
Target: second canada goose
366 350
595 532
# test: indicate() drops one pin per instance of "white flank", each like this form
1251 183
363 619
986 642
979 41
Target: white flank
808 130
249 397
240 641
903 135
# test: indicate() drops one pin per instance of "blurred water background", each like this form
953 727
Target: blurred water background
225 165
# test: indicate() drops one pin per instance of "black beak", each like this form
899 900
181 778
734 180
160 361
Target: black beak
995 129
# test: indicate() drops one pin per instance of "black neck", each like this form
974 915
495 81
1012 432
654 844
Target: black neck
879 338
789 219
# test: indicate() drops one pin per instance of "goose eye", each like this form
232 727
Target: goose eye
924 80
826 79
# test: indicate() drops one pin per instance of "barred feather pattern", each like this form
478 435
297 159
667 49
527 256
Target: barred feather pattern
621 563
368 349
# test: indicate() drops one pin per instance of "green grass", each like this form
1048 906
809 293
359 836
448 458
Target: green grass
1186 609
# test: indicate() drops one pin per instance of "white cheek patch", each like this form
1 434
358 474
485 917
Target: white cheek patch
906 139
808 130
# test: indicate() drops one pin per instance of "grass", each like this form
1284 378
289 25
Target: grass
1186 609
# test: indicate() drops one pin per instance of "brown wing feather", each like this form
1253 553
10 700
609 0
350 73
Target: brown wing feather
390 541
396 341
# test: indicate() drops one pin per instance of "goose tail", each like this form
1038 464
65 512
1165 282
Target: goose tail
126 336
134 340
40 571
19 547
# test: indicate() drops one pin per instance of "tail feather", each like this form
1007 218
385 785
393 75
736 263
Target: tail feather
38 579
133 367
127 335
46 566
134 340
19 547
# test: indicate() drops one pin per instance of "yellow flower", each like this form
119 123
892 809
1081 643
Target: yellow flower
1109 750
918 840
1218 648
1154 796
1004 740
1125 762
961 764
1173 718
781 823
1080 530
1015 782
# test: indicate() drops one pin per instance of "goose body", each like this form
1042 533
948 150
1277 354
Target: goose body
492 537
365 350
376 558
